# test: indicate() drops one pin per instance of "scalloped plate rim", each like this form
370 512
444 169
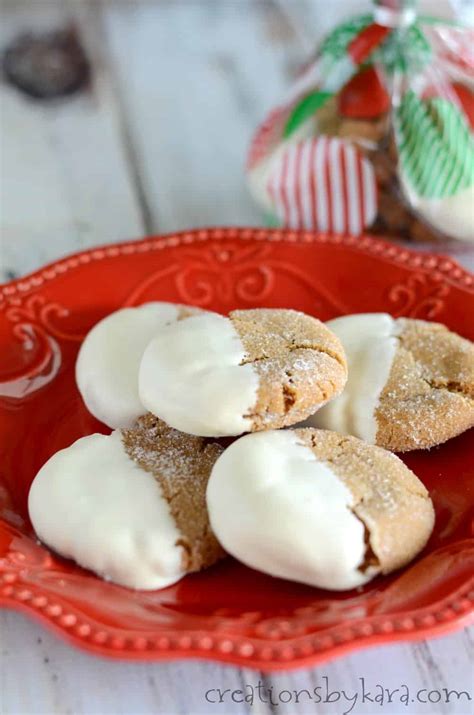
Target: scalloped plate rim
366 243
315 659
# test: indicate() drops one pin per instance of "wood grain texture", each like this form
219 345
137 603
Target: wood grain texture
41 675
157 144
65 181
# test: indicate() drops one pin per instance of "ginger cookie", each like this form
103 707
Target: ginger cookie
253 370
129 506
316 507
410 385
108 361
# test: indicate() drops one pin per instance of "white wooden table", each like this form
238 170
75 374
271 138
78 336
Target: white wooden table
158 144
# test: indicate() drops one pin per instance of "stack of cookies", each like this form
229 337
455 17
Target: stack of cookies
313 492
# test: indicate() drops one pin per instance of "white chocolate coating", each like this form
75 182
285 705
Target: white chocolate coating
109 358
191 377
370 343
92 503
452 215
277 508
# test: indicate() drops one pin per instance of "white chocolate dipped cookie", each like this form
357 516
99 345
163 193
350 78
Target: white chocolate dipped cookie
253 370
316 507
129 506
109 358
410 384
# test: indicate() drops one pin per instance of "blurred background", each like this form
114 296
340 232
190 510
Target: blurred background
160 101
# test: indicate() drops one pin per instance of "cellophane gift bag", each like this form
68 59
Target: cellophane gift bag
376 135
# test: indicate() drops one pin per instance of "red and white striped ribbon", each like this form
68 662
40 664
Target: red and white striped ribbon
454 45
324 184
267 136
270 132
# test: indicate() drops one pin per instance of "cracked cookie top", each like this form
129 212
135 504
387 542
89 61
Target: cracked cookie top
317 507
429 394
181 464
253 370
300 364
410 385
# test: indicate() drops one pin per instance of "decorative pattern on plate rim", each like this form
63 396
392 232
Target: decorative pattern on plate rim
447 267
266 653
420 296
27 312
221 271
226 273
34 325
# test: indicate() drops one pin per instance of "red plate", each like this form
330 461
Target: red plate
228 613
